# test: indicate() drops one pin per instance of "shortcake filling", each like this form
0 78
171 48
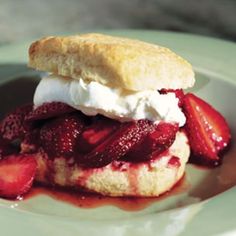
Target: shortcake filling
106 140
93 98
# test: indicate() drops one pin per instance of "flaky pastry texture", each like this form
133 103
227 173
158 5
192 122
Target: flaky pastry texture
114 61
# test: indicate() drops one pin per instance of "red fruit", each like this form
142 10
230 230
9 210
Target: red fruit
59 136
178 93
49 110
207 130
30 143
117 145
157 141
96 133
16 175
12 126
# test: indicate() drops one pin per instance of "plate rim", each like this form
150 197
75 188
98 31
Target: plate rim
226 75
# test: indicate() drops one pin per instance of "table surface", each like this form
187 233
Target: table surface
23 19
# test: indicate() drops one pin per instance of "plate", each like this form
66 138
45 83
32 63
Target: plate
207 203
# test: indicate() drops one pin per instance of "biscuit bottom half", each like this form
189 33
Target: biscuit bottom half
119 178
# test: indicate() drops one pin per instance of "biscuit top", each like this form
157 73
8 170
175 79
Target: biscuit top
112 61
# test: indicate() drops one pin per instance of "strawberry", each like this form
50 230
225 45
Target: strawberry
49 110
178 93
157 141
117 145
16 175
30 143
12 126
59 136
96 133
207 130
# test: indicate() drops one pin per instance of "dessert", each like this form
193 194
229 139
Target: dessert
110 117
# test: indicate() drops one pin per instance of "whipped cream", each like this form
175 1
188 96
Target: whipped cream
94 98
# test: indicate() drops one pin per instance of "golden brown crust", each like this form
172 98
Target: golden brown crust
117 62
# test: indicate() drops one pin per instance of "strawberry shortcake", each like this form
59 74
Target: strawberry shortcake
110 117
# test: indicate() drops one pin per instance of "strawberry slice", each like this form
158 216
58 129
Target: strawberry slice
12 126
59 136
49 110
96 133
178 93
16 175
117 145
157 141
207 130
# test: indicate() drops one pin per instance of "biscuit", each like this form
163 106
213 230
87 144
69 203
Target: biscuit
116 62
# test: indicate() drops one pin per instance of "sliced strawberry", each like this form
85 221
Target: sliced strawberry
117 145
96 133
160 139
178 93
12 126
49 110
16 175
207 130
59 136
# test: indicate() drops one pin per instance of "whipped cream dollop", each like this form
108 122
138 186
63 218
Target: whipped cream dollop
94 98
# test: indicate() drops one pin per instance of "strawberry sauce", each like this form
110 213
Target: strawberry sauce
174 161
133 180
92 200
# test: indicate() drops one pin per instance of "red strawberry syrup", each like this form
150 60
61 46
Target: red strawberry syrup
174 161
83 199
92 200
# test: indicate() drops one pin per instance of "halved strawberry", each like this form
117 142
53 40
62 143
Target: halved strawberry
12 126
96 133
178 93
207 130
117 145
157 141
59 136
17 173
49 110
